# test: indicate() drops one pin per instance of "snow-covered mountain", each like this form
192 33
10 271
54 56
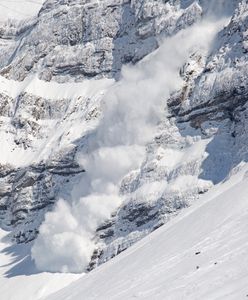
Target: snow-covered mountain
114 117
201 254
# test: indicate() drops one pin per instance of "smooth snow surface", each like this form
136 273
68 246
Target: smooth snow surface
19 9
201 254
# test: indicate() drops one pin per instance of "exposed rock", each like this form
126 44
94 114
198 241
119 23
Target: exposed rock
74 40
94 47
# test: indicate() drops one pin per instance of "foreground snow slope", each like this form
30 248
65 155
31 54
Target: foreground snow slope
201 254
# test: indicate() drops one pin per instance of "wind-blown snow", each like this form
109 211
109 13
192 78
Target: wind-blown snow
131 111
201 254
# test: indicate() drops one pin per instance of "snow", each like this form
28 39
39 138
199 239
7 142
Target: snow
19 9
53 90
200 254
131 109
19 280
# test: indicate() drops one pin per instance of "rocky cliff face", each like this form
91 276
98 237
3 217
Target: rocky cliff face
97 37
44 124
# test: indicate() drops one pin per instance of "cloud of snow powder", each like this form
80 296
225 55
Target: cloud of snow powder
131 110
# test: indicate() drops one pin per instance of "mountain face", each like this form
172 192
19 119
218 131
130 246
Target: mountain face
188 258
59 69
98 38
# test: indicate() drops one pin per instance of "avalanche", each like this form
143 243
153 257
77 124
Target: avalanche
200 254
131 111
114 117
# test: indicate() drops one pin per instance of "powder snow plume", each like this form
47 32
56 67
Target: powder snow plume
131 110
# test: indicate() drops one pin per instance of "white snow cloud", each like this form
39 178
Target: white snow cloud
131 111
62 244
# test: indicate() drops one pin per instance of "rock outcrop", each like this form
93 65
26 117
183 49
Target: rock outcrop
197 144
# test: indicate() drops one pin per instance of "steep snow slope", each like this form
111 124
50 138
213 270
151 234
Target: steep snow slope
201 254
19 9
